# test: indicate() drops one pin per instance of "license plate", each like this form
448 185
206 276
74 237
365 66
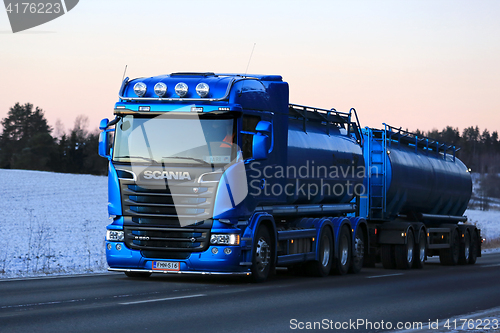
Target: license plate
166 266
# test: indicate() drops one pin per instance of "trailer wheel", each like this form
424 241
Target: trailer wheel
449 257
474 246
464 255
138 274
344 260
359 252
420 250
261 258
387 256
404 252
322 267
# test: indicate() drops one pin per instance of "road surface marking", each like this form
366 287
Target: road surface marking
163 299
377 276
493 265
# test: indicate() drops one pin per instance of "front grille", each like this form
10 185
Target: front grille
167 239
177 204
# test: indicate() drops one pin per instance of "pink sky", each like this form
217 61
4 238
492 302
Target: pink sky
415 64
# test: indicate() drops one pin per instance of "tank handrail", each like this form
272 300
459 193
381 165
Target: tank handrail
343 119
399 135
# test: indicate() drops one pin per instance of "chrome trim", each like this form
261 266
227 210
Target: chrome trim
200 181
134 176
177 272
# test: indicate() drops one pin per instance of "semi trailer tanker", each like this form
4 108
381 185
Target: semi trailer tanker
219 174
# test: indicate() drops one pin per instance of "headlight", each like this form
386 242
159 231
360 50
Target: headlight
160 89
202 89
225 239
181 89
140 89
115 236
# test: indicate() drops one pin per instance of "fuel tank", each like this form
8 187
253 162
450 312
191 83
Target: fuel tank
324 165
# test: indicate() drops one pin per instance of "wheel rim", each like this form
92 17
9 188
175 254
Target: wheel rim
467 247
344 251
421 251
410 244
359 247
263 255
326 251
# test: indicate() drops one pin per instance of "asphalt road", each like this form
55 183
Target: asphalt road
115 303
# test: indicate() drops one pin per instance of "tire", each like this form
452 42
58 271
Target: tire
404 254
420 250
262 253
358 256
387 256
323 266
138 274
344 260
464 254
449 257
474 247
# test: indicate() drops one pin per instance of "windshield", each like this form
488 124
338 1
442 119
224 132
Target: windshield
169 139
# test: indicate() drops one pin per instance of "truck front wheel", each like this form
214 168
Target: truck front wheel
262 255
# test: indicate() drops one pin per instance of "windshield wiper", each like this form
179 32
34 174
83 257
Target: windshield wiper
188 158
142 157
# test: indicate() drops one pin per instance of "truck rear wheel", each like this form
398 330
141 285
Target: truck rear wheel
474 246
420 250
464 255
322 267
387 256
449 257
359 252
344 260
404 252
138 274
262 255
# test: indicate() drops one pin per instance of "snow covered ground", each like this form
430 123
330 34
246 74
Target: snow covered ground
487 221
53 223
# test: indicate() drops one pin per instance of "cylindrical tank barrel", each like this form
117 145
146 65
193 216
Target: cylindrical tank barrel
425 182
323 164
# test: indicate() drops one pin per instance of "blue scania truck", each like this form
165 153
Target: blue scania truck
219 174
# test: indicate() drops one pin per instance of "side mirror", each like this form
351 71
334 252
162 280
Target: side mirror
264 127
104 144
260 145
103 124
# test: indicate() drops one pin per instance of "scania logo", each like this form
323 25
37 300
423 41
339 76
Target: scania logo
177 175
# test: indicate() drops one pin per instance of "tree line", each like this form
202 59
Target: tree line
28 142
479 150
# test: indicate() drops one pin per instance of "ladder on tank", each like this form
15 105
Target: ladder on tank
377 171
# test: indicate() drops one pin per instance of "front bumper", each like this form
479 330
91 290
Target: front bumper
210 262
180 272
